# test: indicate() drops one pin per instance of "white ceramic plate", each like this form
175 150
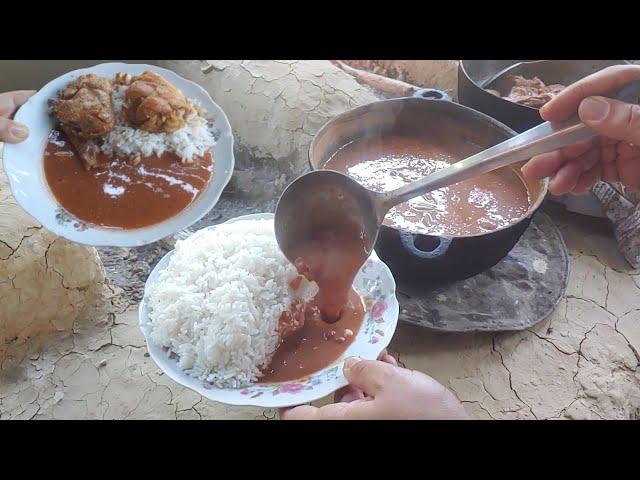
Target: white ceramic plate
23 164
376 286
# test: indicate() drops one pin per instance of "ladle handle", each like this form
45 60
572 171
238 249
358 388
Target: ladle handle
541 139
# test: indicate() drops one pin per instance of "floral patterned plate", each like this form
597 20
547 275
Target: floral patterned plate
376 286
25 169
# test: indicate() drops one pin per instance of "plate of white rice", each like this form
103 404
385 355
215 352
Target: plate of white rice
211 307
24 165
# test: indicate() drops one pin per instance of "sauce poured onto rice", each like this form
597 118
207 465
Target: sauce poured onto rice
221 302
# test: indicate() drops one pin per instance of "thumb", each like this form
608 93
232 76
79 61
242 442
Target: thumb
370 376
612 118
12 132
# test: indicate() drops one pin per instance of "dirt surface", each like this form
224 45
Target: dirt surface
45 281
581 362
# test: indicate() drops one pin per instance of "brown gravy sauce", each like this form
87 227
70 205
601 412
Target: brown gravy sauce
119 194
317 344
383 163
331 256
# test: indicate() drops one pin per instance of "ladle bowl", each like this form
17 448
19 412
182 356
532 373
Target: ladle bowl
321 198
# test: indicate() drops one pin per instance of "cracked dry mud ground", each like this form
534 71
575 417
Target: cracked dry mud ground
581 362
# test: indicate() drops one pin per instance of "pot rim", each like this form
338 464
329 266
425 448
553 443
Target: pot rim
499 99
462 68
469 111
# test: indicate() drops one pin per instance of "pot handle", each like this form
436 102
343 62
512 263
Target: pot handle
407 240
432 93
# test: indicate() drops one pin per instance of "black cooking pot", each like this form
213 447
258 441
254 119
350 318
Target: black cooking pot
414 257
473 73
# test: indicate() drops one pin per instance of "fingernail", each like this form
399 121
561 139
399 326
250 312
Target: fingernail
350 362
543 109
19 131
593 109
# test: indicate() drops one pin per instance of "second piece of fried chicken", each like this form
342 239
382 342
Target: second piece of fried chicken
151 103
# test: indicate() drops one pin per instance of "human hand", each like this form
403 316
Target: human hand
380 390
350 392
10 131
613 156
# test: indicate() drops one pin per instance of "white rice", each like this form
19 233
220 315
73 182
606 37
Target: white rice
217 303
194 139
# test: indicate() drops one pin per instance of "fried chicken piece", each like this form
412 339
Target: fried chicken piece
85 107
151 103
290 321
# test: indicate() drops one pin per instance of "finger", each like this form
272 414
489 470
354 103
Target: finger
358 410
604 141
568 176
627 150
11 101
304 412
610 172
389 359
382 354
547 164
608 153
565 180
589 159
348 394
12 132
352 396
335 411
612 118
603 82
577 149
543 166
587 180
282 410
369 376
629 172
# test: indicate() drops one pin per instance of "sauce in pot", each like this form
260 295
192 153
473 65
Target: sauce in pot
119 194
330 253
479 205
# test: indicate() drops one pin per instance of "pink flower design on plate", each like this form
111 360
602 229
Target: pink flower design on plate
378 309
292 387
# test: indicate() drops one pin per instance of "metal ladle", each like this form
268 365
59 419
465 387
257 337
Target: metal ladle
335 199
